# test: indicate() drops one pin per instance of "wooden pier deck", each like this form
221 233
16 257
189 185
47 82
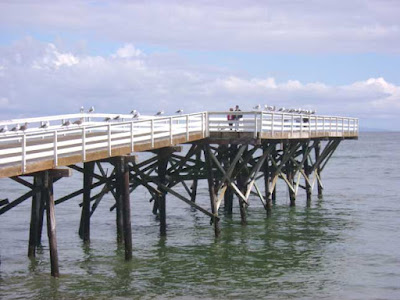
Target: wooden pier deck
243 158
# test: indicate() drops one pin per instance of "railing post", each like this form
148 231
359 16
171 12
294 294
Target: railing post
23 153
255 125
282 124
55 140
323 125
330 124
301 126
170 131
291 125
132 142
342 127
348 126
109 140
337 126
261 122
83 144
152 133
207 124
202 125
187 127
272 124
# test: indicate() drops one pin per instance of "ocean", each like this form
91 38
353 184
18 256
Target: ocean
344 246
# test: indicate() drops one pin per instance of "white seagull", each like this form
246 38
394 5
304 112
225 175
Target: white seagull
91 109
159 113
179 111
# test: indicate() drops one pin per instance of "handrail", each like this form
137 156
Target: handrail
20 147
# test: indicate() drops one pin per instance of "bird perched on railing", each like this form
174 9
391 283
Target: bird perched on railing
159 113
258 106
117 117
78 122
179 111
24 127
282 109
16 128
269 108
4 129
66 123
108 119
91 109
82 109
44 125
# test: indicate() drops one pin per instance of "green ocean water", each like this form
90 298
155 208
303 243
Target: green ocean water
345 246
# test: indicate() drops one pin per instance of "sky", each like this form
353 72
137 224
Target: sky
336 57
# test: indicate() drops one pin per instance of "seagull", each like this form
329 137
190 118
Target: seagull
4 129
116 118
66 123
179 111
258 106
108 119
91 109
78 122
161 112
82 109
133 111
136 115
17 127
24 127
45 124
281 109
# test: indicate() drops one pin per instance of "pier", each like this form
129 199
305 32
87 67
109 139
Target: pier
237 158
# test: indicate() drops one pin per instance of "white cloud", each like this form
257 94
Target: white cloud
48 80
287 26
127 51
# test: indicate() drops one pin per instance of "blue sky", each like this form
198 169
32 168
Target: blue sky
338 57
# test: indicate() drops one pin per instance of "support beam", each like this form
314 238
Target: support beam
119 181
35 215
307 172
212 189
163 157
51 223
318 170
84 228
126 207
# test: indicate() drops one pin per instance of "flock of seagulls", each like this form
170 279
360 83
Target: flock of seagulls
135 115
283 109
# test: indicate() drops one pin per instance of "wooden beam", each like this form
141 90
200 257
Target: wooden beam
51 223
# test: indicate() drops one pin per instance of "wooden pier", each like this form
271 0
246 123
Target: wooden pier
239 158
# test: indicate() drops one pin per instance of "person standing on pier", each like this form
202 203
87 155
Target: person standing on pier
237 117
230 118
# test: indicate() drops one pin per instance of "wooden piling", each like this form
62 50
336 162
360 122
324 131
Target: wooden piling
84 228
242 205
37 206
307 172
318 170
126 208
51 223
195 179
162 169
119 202
228 196
211 190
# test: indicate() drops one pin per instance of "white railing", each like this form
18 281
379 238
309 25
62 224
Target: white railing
93 134
277 124
96 134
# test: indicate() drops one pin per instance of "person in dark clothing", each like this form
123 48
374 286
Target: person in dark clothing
237 117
